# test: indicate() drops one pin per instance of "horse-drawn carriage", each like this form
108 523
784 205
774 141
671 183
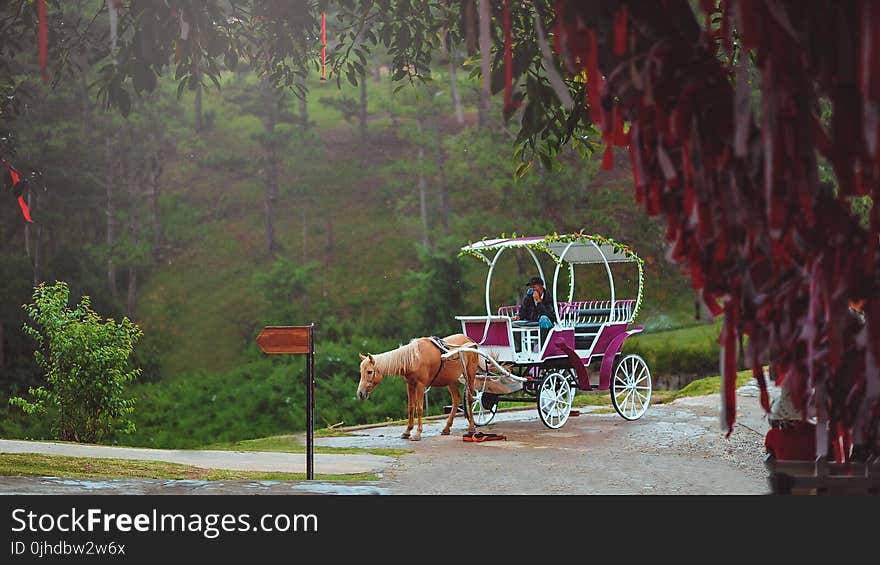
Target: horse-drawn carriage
547 365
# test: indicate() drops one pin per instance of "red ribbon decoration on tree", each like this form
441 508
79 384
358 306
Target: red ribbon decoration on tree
323 45
16 178
43 38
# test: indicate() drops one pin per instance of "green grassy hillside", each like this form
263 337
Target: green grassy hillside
348 222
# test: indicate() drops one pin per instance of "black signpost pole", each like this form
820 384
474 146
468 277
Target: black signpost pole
310 405
297 340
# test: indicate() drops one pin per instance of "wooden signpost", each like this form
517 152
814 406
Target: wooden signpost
297 340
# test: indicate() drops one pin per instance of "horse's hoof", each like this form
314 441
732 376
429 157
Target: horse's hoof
415 438
404 436
444 433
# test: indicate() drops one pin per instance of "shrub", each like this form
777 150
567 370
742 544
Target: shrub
85 359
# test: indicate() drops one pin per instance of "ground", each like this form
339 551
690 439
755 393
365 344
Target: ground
675 448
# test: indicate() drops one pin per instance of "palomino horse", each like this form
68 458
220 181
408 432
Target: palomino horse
419 363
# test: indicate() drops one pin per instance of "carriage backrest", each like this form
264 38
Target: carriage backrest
593 312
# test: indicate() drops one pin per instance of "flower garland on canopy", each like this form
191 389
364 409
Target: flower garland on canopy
579 237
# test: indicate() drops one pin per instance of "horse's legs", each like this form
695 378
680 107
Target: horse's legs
470 379
420 402
409 401
456 398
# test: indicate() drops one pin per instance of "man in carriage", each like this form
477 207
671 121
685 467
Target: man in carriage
537 303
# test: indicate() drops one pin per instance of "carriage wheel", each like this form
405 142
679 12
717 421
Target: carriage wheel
484 406
631 387
555 396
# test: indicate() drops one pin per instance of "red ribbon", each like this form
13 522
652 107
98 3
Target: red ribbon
43 38
620 21
323 45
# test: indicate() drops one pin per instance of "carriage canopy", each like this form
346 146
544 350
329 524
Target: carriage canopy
565 249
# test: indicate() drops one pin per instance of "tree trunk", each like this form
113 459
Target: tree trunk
198 101
155 171
486 79
377 74
440 156
132 292
453 85
363 109
423 189
84 98
27 232
449 53
33 206
330 243
111 269
305 232
271 166
133 206
303 105
470 27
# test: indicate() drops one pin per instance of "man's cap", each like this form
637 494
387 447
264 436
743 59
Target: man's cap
535 280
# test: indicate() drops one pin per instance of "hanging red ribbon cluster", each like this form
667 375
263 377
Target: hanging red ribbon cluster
763 240
13 180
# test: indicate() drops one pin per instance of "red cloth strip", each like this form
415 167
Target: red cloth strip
16 178
12 172
620 22
25 211
43 38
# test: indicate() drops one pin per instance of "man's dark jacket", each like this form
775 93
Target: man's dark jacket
531 312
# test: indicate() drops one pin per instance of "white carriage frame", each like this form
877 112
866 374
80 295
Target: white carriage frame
570 250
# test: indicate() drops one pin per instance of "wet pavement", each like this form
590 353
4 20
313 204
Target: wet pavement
65 486
269 462
681 441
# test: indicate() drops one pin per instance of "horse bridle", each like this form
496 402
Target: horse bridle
372 376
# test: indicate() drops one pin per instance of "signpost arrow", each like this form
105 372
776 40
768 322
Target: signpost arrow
297 340
285 339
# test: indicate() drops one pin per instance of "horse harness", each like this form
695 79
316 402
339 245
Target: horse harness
444 348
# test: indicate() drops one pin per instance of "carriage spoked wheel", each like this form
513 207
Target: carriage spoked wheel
484 407
631 387
555 396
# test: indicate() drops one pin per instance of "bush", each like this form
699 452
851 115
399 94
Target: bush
686 351
85 360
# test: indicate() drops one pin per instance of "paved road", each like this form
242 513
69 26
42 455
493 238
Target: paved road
325 463
677 448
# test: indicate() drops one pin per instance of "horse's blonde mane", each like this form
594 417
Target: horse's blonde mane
398 361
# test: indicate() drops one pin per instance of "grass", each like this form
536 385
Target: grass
40 465
292 444
699 387
602 398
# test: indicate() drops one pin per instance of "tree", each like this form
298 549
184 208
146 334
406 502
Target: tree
85 360
724 182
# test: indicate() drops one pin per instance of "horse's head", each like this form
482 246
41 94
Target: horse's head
370 377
